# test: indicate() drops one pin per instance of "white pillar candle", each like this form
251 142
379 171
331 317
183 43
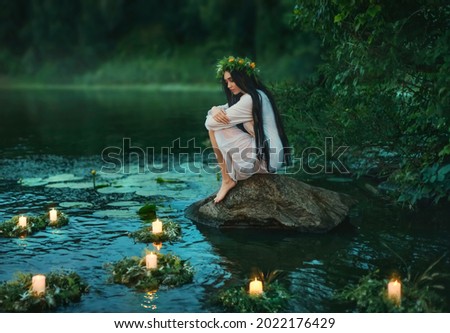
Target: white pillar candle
395 291
151 261
53 215
256 287
157 227
22 221
38 284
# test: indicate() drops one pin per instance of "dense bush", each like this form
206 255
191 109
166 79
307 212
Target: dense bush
382 89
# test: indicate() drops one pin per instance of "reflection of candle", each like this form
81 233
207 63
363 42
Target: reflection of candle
38 284
157 246
151 261
256 287
157 226
53 215
395 291
22 221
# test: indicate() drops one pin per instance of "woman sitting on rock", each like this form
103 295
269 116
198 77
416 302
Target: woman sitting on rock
247 134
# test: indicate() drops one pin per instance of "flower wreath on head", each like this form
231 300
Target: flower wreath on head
231 63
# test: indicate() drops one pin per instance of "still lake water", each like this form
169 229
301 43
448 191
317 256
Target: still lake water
50 140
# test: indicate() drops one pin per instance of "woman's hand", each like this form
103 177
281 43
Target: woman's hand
219 115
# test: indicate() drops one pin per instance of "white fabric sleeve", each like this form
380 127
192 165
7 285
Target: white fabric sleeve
238 113
224 107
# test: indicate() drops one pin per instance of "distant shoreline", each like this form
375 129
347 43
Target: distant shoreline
5 85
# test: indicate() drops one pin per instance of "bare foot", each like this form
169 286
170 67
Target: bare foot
224 189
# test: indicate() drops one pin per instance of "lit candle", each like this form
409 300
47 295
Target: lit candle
53 215
395 291
151 261
22 221
157 226
38 284
256 287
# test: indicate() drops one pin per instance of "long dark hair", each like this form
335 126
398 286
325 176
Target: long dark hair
249 84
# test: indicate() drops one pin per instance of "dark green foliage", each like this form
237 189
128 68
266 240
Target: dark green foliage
62 289
148 212
171 231
161 180
58 40
382 89
132 272
237 299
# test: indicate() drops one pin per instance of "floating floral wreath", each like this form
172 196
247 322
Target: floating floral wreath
237 299
171 231
132 272
11 227
62 288
61 220
231 63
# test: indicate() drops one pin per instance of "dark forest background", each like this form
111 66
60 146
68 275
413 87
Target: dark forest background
142 41
371 74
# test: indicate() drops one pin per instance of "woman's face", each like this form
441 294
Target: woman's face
230 84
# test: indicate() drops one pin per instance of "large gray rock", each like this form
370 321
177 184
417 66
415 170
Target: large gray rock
273 201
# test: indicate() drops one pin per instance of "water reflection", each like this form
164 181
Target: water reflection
85 122
314 266
149 300
272 250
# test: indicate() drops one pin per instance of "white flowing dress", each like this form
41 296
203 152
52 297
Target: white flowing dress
238 147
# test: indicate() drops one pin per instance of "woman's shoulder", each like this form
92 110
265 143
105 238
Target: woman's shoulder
246 98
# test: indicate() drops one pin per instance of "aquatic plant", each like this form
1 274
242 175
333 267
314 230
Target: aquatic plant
161 180
93 173
147 212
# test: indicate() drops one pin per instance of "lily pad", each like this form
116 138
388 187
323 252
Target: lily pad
124 203
65 177
33 182
116 189
70 185
115 213
76 204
